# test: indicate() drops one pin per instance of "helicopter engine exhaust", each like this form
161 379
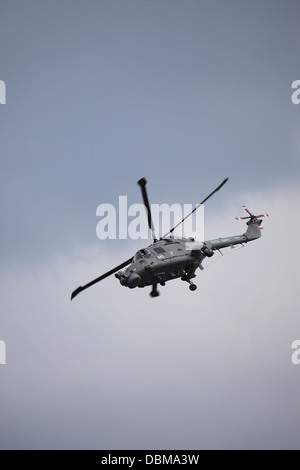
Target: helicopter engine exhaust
207 249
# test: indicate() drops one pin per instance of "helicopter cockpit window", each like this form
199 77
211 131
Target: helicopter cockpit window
141 254
138 256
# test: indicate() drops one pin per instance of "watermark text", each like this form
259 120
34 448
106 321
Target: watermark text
2 352
131 222
296 94
296 353
2 92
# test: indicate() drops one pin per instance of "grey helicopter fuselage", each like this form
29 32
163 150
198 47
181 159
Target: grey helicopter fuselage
171 258
162 261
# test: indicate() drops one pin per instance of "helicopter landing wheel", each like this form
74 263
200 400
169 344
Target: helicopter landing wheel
192 287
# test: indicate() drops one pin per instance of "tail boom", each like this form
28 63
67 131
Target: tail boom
252 233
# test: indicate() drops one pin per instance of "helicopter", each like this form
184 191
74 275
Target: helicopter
169 258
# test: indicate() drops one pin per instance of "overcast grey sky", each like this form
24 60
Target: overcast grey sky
185 93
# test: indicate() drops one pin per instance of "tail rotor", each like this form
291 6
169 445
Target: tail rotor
256 219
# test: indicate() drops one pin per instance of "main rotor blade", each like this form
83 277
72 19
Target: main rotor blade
142 182
204 200
100 278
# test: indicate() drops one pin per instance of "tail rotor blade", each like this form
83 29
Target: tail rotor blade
252 217
245 208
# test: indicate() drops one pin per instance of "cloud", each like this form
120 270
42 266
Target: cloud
117 369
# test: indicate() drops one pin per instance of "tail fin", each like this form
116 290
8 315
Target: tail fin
254 230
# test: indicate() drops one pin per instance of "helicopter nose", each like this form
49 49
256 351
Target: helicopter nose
133 280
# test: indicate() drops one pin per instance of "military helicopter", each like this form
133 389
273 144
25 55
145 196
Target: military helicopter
170 258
